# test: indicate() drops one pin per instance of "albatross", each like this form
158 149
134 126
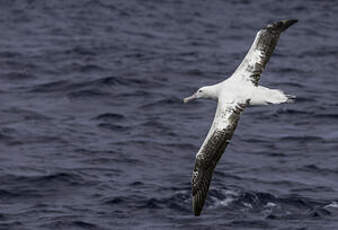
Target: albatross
233 96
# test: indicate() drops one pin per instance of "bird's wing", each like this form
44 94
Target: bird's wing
220 133
260 51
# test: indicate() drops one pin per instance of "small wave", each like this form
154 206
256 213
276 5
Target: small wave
60 177
94 87
116 200
315 169
239 201
319 52
113 127
87 93
112 80
288 70
162 102
10 54
18 76
109 117
318 212
302 139
257 140
26 114
87 68
51 87
194 72
81 50
137 183
300 99
292 111
327 116
179 201
182 146
260 224
84 224
6 194
5 137
334 204
291 84
70 178
68 224
136 93
130 81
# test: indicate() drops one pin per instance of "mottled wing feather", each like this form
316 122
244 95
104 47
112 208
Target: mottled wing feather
211 151
227 117
260 51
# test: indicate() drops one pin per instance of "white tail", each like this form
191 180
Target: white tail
265 96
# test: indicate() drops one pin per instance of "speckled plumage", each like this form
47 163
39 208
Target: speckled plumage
233 96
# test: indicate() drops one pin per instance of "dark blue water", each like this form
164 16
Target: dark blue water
94 134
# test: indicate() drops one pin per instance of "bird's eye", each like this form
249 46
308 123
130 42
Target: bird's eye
200 91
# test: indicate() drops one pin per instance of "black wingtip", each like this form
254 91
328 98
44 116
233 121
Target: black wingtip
195 208
288 23
282 25
197 213
197 204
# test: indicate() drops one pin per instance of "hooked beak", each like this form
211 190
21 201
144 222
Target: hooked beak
191 98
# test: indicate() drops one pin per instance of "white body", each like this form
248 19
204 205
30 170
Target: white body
234 95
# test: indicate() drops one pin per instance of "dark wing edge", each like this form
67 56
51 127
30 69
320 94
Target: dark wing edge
261 50
210 154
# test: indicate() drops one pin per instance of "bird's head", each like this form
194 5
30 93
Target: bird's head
207 92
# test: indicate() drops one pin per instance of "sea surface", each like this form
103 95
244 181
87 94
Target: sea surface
94 134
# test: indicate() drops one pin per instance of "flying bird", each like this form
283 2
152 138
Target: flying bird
233 96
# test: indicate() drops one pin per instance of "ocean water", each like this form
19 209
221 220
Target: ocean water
94 134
